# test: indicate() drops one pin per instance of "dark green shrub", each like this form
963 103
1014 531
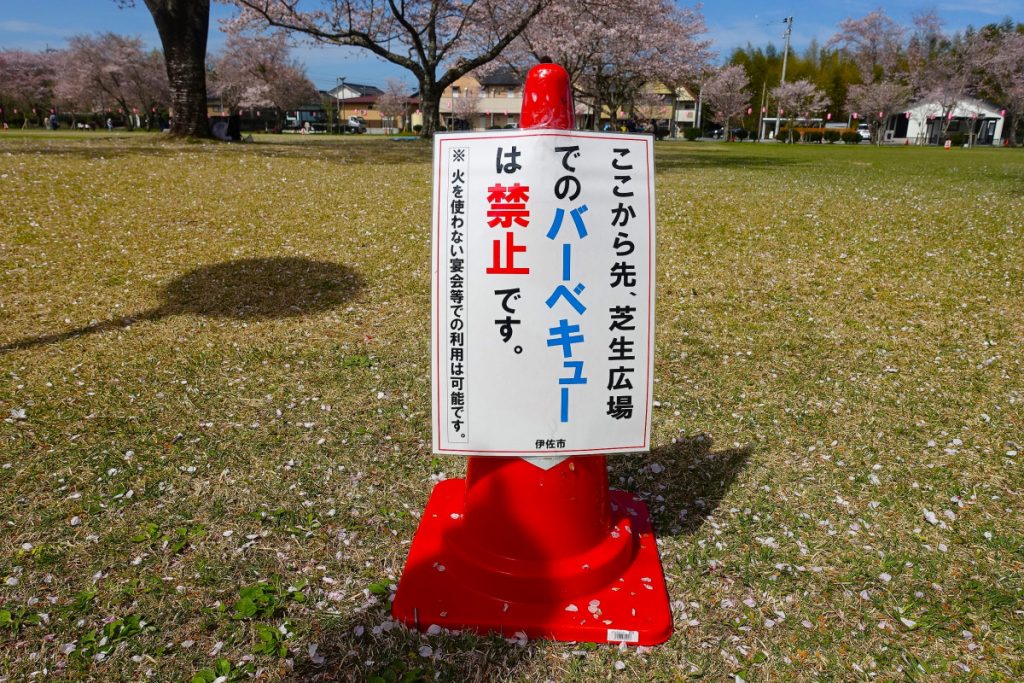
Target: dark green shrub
691 134
957 139
742 134
417 129
812 136
852 138
789 135
832 136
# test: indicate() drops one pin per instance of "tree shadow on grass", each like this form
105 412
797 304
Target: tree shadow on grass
244 289
690 482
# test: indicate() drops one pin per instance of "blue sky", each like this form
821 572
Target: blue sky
38 24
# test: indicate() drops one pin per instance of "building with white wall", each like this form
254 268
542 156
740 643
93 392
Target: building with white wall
930 123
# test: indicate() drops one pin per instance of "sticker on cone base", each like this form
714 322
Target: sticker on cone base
619 636
543 293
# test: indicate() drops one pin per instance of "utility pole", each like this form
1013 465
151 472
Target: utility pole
341 104
760 112
788 21
700 104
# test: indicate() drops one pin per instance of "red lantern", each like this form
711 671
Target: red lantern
907 114
855 116
881 115
750 110
153 110
1002 112
764 110
828 116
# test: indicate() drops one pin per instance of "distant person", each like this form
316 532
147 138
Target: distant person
110 125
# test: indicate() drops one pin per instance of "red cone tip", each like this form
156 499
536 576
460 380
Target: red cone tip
547 99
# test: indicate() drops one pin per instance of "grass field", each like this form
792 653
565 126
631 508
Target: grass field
214 414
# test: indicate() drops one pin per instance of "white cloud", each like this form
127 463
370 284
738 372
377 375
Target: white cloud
19 26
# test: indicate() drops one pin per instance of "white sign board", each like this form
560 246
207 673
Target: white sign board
543 293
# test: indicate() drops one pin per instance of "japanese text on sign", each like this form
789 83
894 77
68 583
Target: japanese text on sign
543 277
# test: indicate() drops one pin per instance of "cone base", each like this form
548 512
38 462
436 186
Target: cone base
448 588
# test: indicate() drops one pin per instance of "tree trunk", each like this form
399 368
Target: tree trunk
672 125
430 105
184 26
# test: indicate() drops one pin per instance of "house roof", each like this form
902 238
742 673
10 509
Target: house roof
361 89
503 75
964 108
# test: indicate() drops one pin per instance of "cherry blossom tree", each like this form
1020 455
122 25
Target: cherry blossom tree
26 83
876 102
1003 80
393 104
108 70
438 41
874 42
725 93
949 73
613 48
467 106
799 98
257 72
184 27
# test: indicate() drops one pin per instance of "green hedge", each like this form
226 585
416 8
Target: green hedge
853 138
691 134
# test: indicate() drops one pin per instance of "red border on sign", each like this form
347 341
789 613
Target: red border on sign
437 292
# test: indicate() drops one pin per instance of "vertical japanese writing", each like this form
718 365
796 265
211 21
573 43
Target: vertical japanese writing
507 206
456 331
623 279
507 210
550 236
566 295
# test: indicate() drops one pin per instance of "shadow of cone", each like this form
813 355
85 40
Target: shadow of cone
530 552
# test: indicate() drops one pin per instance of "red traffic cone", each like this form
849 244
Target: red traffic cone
523 551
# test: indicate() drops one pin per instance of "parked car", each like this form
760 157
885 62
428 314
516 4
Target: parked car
355 124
